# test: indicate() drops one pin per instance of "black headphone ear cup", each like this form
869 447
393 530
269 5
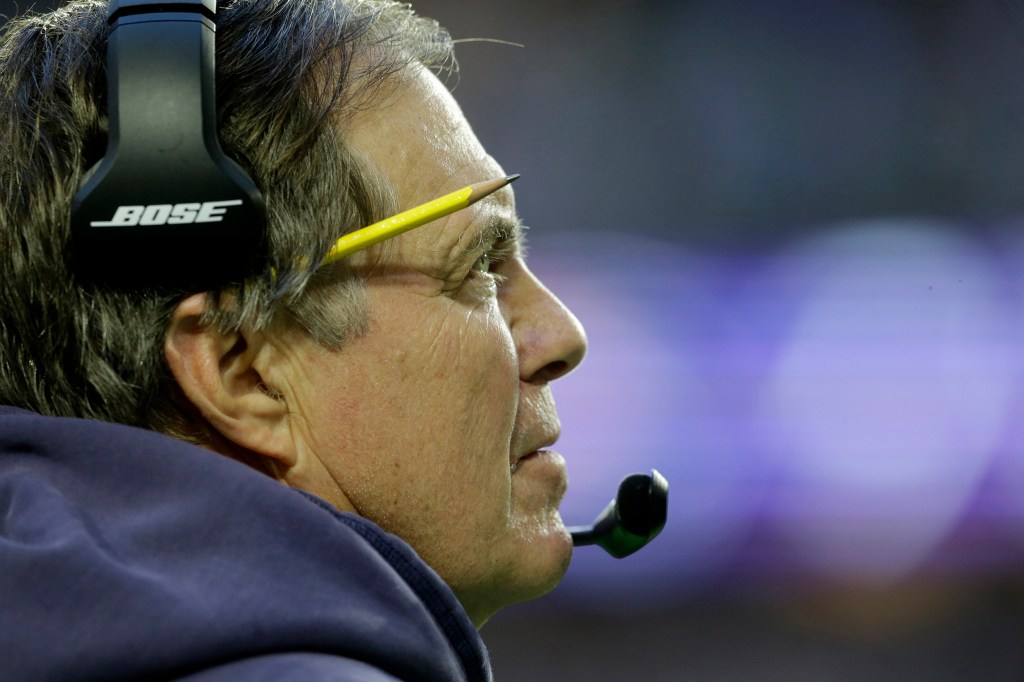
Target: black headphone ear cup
165 208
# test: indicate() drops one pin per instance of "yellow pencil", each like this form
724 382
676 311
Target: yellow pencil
414 217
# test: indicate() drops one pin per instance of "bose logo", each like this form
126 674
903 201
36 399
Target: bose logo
168 214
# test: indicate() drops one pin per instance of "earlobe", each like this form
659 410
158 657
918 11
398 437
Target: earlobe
218 374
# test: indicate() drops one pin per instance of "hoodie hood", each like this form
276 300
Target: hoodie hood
128 555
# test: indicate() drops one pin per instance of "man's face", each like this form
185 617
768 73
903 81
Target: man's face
435 424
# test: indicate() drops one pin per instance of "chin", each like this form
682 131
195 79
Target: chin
543 560
538 562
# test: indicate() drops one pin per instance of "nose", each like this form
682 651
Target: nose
549 340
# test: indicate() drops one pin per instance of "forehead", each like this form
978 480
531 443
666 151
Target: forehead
420 140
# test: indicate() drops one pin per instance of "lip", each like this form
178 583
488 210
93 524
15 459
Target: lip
536 447
543 464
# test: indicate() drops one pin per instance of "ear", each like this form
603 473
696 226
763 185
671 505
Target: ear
218 374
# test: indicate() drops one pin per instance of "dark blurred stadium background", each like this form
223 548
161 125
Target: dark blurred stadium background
793 231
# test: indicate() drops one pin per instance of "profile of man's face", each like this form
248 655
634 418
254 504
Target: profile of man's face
436 423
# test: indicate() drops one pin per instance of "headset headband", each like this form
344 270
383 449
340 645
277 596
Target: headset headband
165 207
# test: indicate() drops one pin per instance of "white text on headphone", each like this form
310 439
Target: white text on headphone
168 214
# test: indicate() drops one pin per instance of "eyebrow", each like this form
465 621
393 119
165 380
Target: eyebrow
497 229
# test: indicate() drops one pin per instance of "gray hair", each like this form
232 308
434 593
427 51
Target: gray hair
289 75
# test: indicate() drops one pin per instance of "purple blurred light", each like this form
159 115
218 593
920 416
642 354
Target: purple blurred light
830 409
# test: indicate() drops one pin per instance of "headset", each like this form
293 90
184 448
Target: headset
166 209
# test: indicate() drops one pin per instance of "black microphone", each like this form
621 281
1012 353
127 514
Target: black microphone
631 520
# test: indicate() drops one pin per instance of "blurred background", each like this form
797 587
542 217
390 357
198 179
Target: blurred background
792 229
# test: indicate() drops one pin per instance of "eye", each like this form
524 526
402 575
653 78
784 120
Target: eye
483 263
490 260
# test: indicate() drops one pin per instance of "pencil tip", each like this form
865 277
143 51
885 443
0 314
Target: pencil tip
511 178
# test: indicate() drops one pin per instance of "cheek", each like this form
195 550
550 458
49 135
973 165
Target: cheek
463 372
424 408
443 349
459 392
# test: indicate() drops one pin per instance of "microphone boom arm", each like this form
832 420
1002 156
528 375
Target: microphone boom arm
631 520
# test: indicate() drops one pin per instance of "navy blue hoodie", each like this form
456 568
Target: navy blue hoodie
128 555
